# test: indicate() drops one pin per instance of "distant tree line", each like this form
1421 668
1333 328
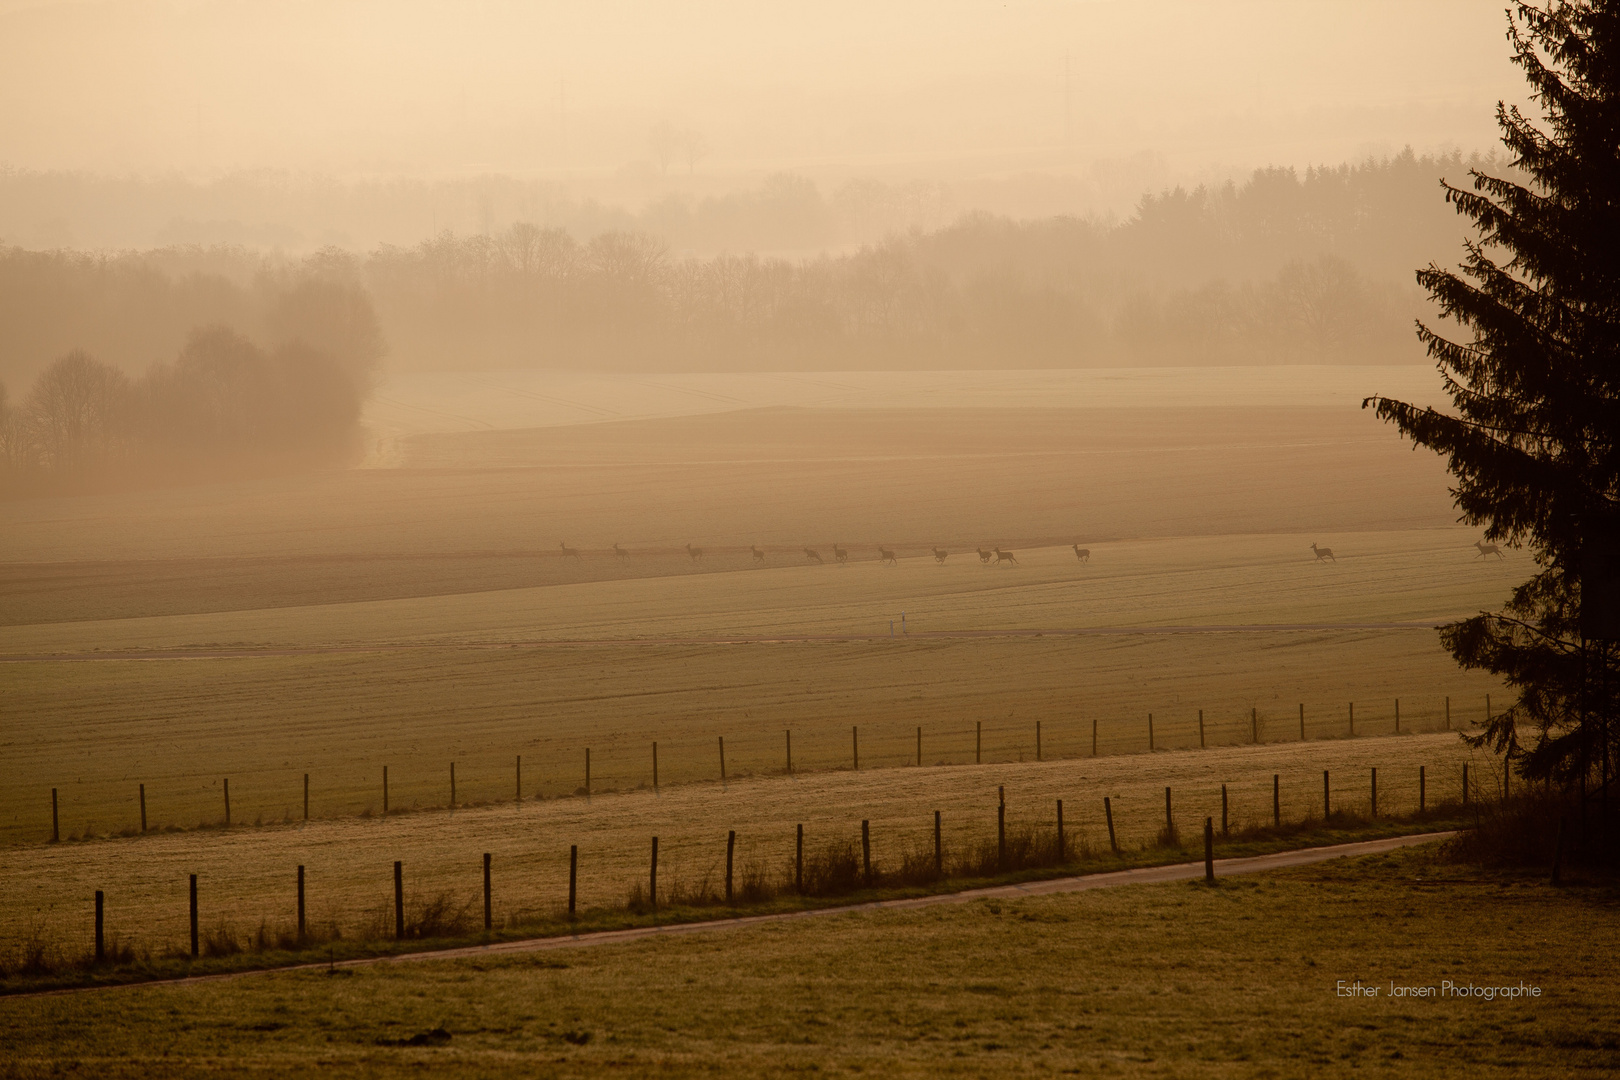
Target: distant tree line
224 404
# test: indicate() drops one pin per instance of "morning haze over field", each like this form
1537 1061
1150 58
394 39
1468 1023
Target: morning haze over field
527 479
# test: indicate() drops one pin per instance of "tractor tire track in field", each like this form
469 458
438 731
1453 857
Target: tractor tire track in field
1145 875
243 652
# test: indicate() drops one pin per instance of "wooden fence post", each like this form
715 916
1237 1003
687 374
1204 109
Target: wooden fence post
1448 713
194 949
798 864
1169 820
452 785
1327 805
302 926
518 791
655 765
731 847
143 808
489 910
1150 731
1254 724
306 796
1276 800
573 877
939 848
1108 812
866 850
1352 719
1397 716
790 751
919 746
588 774
1487 708
1209 851
101 943
722 759
1200 729
855 745
399 900
1375 792
1224 830
652 877
227 800
978 743
1093 736
1465 785
56 828
385 791
1037 740
1062 847
1422 789
1001 830
1302 721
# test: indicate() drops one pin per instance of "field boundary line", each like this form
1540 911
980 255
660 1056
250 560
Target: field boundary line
248 652
1143 875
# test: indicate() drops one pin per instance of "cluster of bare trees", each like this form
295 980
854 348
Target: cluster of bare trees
225 405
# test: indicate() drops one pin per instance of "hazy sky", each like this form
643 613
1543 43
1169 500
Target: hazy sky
931 90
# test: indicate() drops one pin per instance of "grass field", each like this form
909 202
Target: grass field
247 874
1155 980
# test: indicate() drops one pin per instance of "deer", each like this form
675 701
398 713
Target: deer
759 556
1487 549
887 556
620 552
840 555
1005 556
1083 554
984 556
567 551
940 555
1323 553
695 553
812 553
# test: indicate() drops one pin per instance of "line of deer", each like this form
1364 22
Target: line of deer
887 556
567 551
1487 549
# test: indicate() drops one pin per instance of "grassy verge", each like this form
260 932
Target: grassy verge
1177 979
834 875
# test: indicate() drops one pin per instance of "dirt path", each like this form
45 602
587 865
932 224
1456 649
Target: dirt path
766 639
1145 875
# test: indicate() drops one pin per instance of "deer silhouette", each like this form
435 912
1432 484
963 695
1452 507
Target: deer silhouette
940 555
1323 553
887 556
812 553
759 556
1005 556
567 551
1487 549
695 553
620 552
1083 554
840 555
984 556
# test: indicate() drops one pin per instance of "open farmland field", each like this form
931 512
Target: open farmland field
1149 980
246 874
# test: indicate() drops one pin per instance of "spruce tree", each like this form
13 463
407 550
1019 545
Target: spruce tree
1535 388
